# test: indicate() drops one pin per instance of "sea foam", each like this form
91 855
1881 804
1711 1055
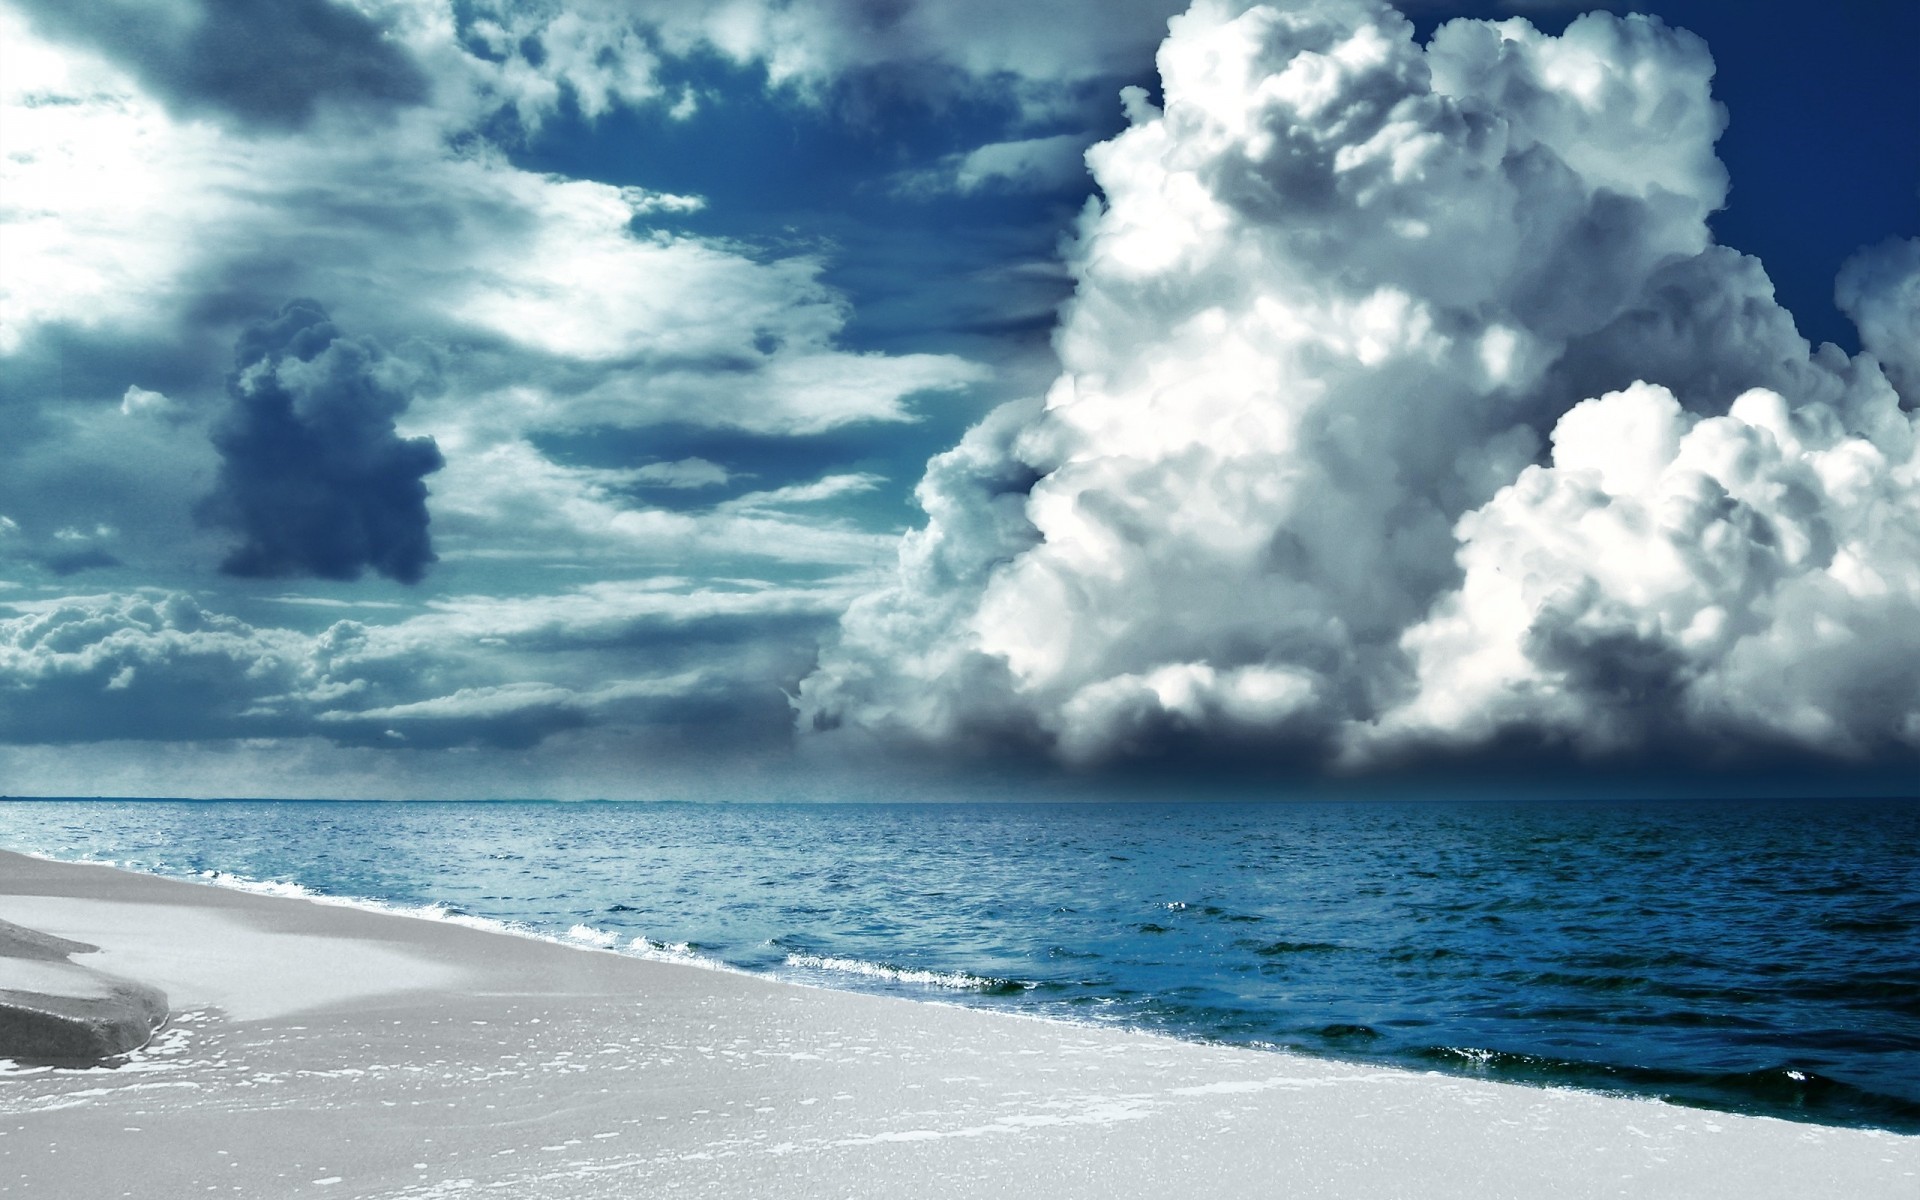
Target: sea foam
955 980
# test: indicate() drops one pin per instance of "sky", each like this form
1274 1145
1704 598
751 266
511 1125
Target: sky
811 399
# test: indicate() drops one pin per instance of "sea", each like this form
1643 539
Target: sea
1757 957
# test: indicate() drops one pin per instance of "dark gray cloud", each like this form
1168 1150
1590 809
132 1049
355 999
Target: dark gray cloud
313 475
265 63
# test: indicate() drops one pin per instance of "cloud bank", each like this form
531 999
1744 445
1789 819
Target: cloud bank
1409 408
663 660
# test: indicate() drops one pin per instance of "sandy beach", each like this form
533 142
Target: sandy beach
323 1050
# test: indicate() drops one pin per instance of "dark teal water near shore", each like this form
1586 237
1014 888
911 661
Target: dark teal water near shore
1753 956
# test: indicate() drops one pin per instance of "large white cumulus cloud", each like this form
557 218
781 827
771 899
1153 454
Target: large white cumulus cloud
1284 498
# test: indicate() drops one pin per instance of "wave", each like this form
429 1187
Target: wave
959 981
259 887
577 936
676 952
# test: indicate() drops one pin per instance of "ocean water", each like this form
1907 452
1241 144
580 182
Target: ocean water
1755 957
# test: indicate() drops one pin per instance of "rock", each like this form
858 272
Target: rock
55 1010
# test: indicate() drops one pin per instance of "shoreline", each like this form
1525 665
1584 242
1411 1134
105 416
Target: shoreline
960 989
326 1048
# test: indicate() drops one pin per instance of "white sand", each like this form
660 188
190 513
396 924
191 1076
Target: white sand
217 959
332 1052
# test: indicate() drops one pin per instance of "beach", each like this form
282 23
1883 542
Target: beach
327 1050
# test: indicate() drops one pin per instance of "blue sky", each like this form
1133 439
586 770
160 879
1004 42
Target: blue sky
449 399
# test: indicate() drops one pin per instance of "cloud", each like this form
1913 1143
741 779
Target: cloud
596 615
127 221
509 501
163 199
529 57
270 64
96 198
1340 295
659 658
905 634
514 715
146 232
313 475
137 401
1732 581
1041 164
809 46
830 487
151 665
682 473
1880 289
141 243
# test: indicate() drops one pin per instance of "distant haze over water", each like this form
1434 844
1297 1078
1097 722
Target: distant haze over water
1754 956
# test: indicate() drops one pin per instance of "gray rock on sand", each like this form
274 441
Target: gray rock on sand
53 1009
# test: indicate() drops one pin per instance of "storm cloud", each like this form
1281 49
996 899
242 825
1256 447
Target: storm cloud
313 475
1409 408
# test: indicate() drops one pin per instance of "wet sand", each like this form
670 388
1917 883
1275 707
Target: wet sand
329 1051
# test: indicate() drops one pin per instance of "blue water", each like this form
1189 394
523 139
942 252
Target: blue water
1758 957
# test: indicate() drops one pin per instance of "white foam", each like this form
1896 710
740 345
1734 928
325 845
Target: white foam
956 980
259 887
646 947
578 936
